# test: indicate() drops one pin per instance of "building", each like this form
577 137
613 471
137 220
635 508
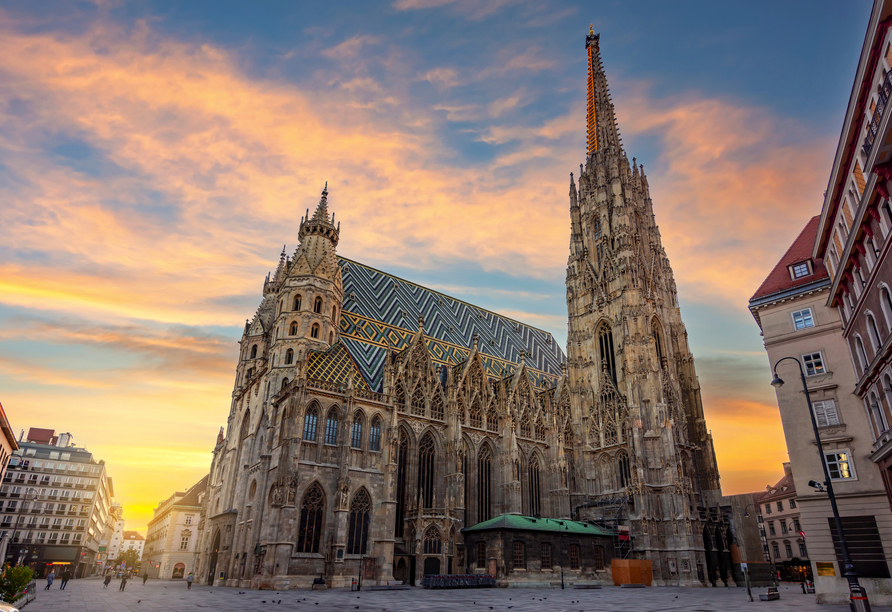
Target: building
551 550
372 419
791 308
110 545
132 540
8 445
784 535
172 536
54 505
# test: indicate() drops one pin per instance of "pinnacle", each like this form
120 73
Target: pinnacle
321 213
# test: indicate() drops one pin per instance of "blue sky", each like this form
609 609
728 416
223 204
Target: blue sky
155 157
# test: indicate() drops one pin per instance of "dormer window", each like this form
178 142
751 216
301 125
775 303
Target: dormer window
801 269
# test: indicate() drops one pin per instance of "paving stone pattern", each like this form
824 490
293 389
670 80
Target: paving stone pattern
89 596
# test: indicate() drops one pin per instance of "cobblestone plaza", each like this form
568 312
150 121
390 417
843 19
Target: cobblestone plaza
89 596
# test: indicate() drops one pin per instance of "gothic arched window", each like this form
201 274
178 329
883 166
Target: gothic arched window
284 384
401 472
358 529
375 435
623 470
437 407
289 356
492 419
605 347
418 401
533 490
296 303
314 331
484 484
356 432
254 352
610 435
310 421
433 542
334 313
540 430
526 428
426 462
317 305
331 427
657 331
475 415
312 510
292 331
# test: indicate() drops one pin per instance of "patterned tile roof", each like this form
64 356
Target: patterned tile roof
382 310
335 365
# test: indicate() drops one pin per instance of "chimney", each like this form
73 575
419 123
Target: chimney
788 471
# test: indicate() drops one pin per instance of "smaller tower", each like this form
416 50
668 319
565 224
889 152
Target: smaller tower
309 290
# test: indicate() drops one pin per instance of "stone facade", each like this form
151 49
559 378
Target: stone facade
360 441
169 549
640 438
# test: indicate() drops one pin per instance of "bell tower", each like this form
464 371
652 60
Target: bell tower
642 446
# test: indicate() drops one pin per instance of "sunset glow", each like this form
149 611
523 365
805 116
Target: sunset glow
151 171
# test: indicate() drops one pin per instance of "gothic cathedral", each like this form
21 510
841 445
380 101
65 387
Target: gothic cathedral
375 424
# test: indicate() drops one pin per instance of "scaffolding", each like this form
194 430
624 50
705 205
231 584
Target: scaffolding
611 513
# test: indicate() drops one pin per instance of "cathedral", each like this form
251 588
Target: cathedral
375 424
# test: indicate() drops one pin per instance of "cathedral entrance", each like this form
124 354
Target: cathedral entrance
404 570
212 564
432 565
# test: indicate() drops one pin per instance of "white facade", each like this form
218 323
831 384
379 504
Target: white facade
172 538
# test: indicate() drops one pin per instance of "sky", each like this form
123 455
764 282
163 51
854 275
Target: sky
156 156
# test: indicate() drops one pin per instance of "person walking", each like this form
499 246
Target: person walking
107 580
145 577
66 576
123 581
189 580
49 580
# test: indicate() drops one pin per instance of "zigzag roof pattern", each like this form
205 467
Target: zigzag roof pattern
381 310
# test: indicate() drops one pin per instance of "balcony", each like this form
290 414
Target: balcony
874 126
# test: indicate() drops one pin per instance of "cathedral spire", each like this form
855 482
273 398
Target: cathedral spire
602 130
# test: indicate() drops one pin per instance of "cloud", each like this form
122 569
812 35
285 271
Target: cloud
732 188
470 9
148 183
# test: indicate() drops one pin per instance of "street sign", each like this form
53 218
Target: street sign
743 567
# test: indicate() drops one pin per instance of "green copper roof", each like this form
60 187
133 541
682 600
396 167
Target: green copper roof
528 523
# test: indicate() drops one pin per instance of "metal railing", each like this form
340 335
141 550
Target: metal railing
882 100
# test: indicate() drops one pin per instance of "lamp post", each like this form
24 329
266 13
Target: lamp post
858 600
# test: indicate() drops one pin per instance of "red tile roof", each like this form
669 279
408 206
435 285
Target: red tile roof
801 249
783 489
132 535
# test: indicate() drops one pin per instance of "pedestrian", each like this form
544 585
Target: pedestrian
145 577
123 582
107 580
189 580
66 576
49 580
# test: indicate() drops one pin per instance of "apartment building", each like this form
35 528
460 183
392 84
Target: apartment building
54 505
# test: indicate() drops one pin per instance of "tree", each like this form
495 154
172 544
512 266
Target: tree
13 582
129 557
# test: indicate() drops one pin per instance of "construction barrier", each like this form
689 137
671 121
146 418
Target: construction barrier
457 581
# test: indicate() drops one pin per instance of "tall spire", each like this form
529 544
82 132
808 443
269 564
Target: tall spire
602 130
320 223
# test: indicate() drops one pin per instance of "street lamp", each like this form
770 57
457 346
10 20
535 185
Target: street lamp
858 595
